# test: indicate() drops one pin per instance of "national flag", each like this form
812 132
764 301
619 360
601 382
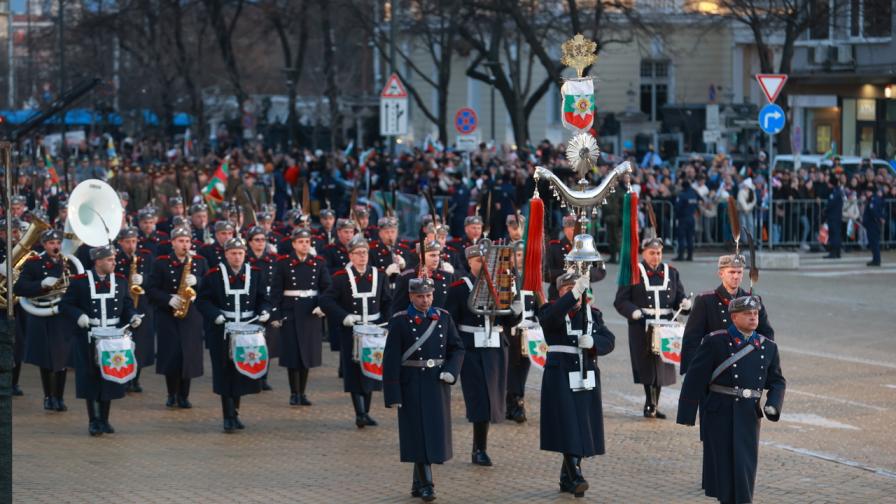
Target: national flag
348 150
831 152
362 160
578 104
48 161
216 187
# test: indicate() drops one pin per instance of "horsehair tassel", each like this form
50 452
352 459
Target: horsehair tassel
635 242
628 253
532 280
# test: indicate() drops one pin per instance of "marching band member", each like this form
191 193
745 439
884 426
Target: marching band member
327 231
453 260
516 224
97 298
296 285
179 355
571 409
518 362
233 291
726 378
143 336
214 252
148 236
472 235
361 216
199 223
48 334
423 357
337 253
433 270
710 310
556 254
359 294
19 345
484 374
387 251
656 297
176 208
259 255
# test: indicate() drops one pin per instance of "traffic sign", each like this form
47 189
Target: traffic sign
712 136
771 119
467 143
394 88
465 121
771 85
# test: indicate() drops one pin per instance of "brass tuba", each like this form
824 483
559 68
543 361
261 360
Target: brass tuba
20 253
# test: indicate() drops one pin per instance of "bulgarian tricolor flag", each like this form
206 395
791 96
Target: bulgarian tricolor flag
214 191
48 161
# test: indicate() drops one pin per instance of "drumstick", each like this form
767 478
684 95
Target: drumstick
679 308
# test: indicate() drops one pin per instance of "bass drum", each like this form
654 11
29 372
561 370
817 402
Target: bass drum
248 348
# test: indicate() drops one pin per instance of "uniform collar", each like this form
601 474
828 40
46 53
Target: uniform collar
416 314
739 337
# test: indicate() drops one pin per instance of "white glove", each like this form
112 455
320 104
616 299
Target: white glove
3 268
446 377
350 320
686 304
83 321
136 320
176 302
191 280
220 320
393 269
312 252
48 282
637 314
317 312
581 286
137 279
264 317
447 267
770 411
586 341
397 259
277 324
54 310
516 306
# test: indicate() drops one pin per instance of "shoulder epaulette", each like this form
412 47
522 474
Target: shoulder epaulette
144 251
718 333
163 242
457 283
404 245
339 272
554 242
198 257
320 258
213 270
374 243
707 293
399 313
283 257
117 275
79 276
451 248
332 245
163 257
161 233
34 258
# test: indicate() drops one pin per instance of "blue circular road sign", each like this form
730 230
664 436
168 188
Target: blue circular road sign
771 119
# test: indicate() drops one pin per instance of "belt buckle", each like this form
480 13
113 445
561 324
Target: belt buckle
747 393
430 363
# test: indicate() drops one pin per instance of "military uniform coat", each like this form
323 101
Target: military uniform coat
301 333
572 422
267 264
484 374
214 301
424 419
180 340
647 367
144 336
47 339
213 254
710 313
151 241
81 299
339 301
441 280
731 424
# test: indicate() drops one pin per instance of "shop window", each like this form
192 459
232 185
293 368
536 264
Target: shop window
866 141
823 138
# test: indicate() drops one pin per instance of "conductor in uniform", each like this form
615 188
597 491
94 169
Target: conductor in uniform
731 370
571 410
97 298
423 357
179 355
233 291
656 297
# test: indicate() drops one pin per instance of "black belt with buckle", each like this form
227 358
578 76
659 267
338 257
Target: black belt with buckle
736 391
421 363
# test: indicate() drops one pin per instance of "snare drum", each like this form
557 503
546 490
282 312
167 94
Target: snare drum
665 339
247 349
369 346
114 353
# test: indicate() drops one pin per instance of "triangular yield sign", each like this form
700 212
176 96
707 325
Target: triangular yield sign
771 85
394 88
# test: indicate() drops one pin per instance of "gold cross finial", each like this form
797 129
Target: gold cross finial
578 53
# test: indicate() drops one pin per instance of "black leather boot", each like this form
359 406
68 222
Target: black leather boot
134 385
59 392
656 402
183 394
367 418
480 443
264 383
236 414
415 484
16 370
227 411
424 476
105 406
358 404
94 426
46 381
303 382
519 410
293 375
575 482
509 406
171 383
649 405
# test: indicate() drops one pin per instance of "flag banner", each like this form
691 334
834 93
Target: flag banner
578 104
216 187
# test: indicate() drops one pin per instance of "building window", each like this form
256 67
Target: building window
654 88
820 13
823 138
870 18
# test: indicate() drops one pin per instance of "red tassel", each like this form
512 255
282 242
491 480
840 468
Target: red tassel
635 245
534 247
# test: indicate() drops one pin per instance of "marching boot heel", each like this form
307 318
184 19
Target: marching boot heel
183 393
105 406
579 483
236 414
303 383
59 387
415 483
519 416
94 428
427 490
649 406
656 402
358 404
480 442
292 375
171 383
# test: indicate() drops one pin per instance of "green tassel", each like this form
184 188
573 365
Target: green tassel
625 266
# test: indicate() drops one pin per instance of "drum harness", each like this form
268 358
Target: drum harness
102 321
575 350
237 314
657 311
363 296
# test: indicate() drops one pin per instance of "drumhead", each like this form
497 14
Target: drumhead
242 328
106 332
368 330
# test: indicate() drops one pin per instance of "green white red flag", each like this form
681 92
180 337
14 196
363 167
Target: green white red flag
216 187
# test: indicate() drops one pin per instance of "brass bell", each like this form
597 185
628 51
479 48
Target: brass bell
583 250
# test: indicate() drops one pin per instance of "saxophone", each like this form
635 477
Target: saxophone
185 291
135 290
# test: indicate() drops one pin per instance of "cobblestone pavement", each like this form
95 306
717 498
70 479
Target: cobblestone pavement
833 445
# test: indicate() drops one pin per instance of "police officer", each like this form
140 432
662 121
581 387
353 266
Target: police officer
571 410
143 336
873 218
657 296
423 357
233 291
834 217
214 252
686 208
710 310
484 374
97 298
179 355
518 362
47 333
359 294
441 279
297 284
727 376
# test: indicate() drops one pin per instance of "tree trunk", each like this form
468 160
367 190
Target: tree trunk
331 91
